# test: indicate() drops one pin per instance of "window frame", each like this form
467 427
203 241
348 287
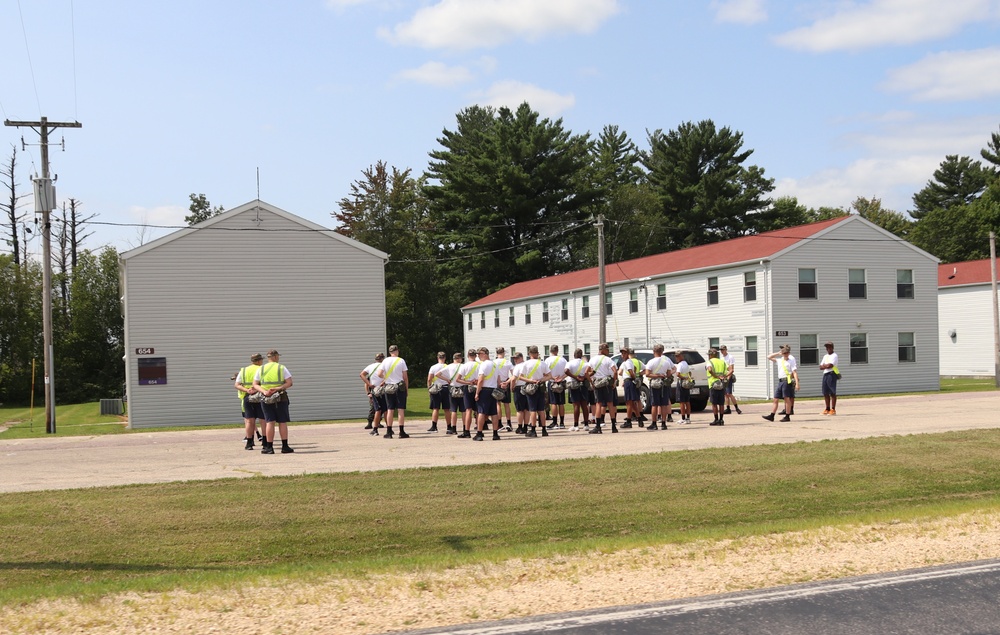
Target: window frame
608 306
564 311
750 351
857 352
903 349
814 284
749 286
808 350
585 308
633 300
510 317
713 291
496 318
856 288
661 297
545 312
470 321
482 320
900 286
527 314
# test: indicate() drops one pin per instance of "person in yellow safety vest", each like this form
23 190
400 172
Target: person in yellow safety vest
830 376
717 372
395 374
273 378
251 411
631 370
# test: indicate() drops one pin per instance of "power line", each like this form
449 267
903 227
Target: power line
27 50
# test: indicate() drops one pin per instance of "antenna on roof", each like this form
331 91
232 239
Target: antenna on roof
954 272
257 208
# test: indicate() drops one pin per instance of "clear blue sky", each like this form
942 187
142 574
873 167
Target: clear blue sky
837 98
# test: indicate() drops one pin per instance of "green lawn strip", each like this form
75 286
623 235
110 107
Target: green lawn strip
196 535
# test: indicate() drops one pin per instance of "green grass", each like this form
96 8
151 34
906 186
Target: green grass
197 535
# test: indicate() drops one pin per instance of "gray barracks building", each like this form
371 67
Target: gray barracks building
198 302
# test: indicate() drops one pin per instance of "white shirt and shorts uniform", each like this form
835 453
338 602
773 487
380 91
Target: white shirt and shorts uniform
659 366
829 378
557 368
441 399
394 369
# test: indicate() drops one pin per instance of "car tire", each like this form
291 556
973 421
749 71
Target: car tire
644 399
699 405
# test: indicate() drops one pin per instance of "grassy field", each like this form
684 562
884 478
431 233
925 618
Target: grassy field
85 419
204 534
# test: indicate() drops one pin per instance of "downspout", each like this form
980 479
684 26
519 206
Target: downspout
768 375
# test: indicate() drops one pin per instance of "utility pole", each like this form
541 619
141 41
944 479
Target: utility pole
996 310
603 313
45 202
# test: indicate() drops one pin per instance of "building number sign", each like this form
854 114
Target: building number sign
144 351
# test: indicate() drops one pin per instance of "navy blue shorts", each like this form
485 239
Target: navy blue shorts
659 396
252 410
717 397
457 403
396 401
520 401
506 396
829 384
729 385
276 412
783 390
683 395
578 395
557 398
536 402
487 403
441 400
631 391
605 394
591 396
470 398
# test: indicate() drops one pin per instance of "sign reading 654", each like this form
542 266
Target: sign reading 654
144 351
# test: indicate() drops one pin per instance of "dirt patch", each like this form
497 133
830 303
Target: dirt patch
519 588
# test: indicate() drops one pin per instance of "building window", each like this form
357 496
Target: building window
585 312
907 347
713 291
564 314
510 316
566 351
527 314
904 284
808 349
713 342
750 350
482 320
807 285
496 318
857 284
625 343
586 349
607 303
470 322
750 286
859 348
661 297
633 301
545 312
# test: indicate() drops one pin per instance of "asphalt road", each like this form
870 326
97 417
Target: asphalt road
159 457
953 599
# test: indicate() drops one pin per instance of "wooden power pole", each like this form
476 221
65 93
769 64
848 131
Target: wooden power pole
45 202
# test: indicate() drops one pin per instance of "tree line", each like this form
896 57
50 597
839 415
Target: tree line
506 196
509 196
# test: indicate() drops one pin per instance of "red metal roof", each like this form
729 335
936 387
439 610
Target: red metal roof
704 256
959 273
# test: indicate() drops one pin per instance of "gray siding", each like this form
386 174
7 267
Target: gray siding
834 316
319 300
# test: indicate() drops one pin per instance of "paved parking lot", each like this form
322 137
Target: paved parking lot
159 457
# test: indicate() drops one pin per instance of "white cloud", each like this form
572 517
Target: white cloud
857 26
469 24
512 94
949 76
437 74
900 156
740 11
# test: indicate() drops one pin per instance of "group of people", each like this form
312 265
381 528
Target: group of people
477 391
263 392
788 382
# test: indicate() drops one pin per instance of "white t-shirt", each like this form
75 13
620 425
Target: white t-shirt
730 361
488 371
829 358
393 369
683 368
576 367
451 370
786 368
432 373
503 369
557 367
373 379
466 372
629 365
659 365
534 369
603 366
516 373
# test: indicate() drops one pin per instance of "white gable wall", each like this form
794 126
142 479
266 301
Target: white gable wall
967 311
209 299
